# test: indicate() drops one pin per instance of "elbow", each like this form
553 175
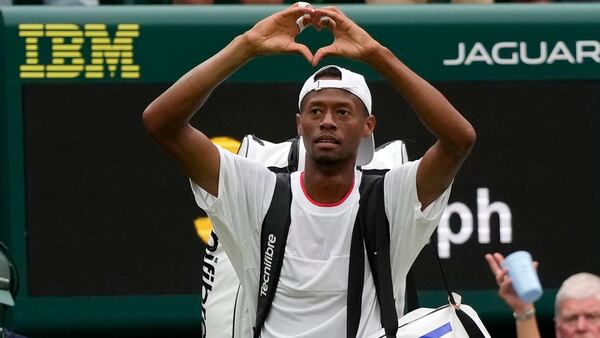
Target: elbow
460 144
466 141
149 119
154 121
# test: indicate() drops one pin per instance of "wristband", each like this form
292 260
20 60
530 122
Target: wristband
525 315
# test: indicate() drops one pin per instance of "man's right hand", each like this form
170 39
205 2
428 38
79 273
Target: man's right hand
167 118
276 34
505 288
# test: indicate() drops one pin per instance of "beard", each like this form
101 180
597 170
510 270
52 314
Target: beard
326 159
332 159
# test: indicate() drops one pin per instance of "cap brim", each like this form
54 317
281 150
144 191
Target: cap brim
365 151
6 298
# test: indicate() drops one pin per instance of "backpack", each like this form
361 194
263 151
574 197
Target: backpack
223 302
371 227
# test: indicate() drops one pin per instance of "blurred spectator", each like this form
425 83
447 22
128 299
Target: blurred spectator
193 2
9 286
50 2
208 2
576 308
8 334
527 1
391 2
261 2
71 2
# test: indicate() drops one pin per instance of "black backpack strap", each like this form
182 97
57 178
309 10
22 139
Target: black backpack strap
473 331
376 232
372 225
411 298
272 247
356 275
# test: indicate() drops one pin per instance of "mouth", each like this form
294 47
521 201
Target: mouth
327 139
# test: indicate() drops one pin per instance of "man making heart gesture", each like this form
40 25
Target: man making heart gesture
336 124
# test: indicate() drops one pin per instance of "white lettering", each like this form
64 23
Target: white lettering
514 58
268 261
560 52
484 212
464 231
208 275
445 234
478 54
519 52
533 61
581 53
459 59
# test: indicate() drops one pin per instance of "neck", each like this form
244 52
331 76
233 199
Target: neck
327 184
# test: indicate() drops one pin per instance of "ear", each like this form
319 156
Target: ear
299 124
370 123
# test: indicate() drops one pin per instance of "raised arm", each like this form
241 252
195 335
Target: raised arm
524 313
167 118
455 135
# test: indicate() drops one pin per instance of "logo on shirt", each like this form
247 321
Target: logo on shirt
268 261
208 275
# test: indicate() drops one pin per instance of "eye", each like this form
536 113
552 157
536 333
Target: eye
593 318
315 111
343 112
570 319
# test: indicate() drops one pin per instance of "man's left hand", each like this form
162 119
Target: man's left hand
350 40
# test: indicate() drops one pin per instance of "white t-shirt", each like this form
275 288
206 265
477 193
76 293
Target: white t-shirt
310 300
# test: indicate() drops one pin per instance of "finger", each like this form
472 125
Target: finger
331 8
536 264
499 258
326 21
502 276
323 52
297 11
507 283
303 21
333 19
302 4
492 263
299 48
331 12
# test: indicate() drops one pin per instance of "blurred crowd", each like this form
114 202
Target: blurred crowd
257 2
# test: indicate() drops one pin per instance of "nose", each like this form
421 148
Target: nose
582 324
328 121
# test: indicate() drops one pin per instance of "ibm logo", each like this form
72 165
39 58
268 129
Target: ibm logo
109 57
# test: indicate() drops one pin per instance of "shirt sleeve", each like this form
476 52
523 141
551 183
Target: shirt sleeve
410 228
245 192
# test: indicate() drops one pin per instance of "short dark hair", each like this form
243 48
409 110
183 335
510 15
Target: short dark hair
334 73
328 72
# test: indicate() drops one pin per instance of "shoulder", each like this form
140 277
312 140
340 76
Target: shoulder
403 174
240 164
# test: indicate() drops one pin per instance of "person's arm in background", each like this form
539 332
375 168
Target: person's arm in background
167 118
455 135
524 313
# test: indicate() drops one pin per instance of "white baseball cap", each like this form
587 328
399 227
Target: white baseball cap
355 84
